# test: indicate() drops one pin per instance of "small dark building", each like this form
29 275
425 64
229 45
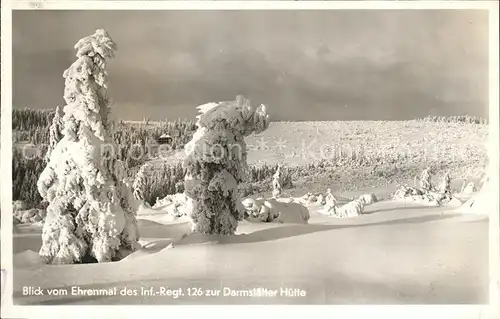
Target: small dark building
164 139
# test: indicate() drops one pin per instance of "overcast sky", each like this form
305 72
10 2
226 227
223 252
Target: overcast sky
304 65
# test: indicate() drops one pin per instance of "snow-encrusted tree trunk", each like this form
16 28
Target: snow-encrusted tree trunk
55 132
140 182
216 163
88 218
277 183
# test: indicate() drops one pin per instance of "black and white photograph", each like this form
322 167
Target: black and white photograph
251 157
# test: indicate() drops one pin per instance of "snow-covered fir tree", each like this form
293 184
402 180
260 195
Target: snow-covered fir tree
445 187
88 218
140 181
55 131
277 183
425 180
330 202
216 163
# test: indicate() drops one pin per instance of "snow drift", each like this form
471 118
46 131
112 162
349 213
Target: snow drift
480 203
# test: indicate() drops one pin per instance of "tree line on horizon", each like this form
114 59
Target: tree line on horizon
32 126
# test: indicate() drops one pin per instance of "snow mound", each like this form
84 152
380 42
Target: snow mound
274 210
351 209
407 191
310 199
479 204
290 213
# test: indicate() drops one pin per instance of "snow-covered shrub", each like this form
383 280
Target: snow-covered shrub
268 211
271 210
252 206
407 191
309 199
277 183
294 213
55 131
421 196
216 162
368 198
88 217
351 209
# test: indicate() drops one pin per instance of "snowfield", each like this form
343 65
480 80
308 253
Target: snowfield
396 252
364 154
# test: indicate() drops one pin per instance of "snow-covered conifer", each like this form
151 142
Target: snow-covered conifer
55 132
445 187
140 181
216 163
425 180
330 200
277 182
88 218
